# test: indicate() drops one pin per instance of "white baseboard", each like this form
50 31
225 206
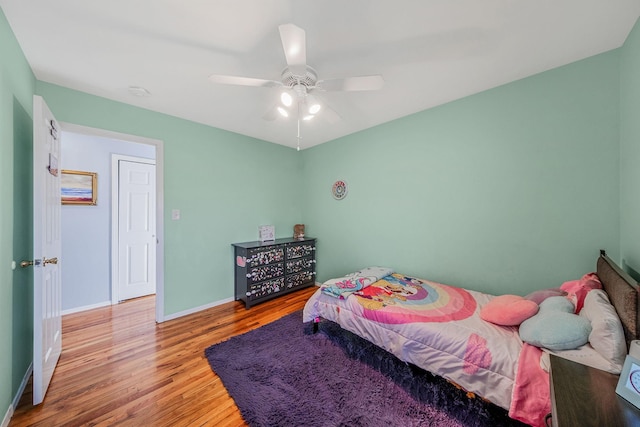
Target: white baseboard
196 309
16 398
7 417
23 385
85 308
204 307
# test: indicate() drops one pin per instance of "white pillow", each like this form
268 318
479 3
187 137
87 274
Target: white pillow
607 335
584 355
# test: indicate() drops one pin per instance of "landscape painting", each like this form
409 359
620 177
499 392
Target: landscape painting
79 188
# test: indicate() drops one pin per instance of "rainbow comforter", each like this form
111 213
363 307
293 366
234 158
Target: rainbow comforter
434 326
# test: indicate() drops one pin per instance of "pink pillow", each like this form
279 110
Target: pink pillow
543 294
577 289
508 310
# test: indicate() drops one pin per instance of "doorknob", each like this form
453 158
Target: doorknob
25 264
46 261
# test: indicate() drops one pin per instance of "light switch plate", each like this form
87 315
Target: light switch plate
175 214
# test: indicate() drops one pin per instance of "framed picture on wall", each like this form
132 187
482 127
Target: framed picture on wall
79 188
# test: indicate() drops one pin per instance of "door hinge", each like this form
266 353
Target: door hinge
53 129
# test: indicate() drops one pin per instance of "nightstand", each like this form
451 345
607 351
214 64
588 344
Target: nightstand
584 396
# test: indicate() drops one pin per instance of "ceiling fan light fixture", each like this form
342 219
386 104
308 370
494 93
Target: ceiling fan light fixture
283 112
286 99
314 108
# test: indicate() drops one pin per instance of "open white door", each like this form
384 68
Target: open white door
47 286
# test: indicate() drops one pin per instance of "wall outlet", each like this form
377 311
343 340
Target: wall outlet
175 214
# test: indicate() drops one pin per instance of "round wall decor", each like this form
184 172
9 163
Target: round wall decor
339 190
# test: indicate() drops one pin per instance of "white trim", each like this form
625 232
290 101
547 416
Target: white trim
197 309
16 399
103 133
23 385
7 416
159 145
160 232
115 214
86 307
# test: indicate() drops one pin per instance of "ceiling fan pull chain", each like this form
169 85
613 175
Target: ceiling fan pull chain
298 121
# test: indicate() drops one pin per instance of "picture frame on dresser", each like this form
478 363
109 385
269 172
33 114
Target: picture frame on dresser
629 383
266 233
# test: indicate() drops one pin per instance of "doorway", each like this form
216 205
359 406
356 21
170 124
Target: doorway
95 263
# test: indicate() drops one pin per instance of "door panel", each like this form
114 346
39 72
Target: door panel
137 230
47 286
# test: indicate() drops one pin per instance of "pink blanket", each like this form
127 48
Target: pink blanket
531 399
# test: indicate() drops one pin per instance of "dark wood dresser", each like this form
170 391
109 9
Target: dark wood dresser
584 396
265 270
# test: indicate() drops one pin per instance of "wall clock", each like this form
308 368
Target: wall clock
339 190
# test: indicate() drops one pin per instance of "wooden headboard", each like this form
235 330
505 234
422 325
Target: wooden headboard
623 293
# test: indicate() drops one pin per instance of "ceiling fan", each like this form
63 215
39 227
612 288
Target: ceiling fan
299 81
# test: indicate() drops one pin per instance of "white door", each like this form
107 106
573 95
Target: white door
136 229
47 286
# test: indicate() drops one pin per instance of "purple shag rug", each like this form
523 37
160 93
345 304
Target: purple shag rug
282 374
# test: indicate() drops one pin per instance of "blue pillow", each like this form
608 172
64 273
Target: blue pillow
555 326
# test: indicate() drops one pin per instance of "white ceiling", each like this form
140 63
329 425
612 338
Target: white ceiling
429 52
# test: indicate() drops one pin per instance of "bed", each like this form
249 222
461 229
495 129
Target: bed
442 329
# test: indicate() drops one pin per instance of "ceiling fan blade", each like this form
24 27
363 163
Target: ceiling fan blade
243 81
325 112
279 111
350 84
330 115
271 114
294 45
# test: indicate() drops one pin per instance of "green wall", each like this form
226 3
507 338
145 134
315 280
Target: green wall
630 153
506 191
224 184
17 84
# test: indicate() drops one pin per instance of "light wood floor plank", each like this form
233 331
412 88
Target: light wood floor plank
118 367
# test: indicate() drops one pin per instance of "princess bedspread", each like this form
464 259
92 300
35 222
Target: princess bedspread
434 326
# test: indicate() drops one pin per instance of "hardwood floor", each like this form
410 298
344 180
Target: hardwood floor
118 367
